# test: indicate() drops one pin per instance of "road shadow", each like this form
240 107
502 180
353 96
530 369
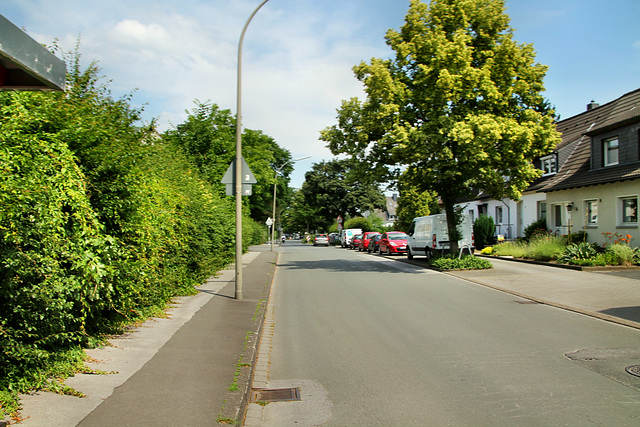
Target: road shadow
629 313
349 266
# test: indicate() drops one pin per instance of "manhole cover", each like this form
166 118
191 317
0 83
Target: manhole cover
633 370
276 395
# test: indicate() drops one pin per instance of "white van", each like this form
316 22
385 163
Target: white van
346 236
429 233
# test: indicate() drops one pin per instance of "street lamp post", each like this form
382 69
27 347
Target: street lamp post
275 182
238 171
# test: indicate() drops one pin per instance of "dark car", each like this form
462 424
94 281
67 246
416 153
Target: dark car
366 239
334 238
393 242
372 247
355 241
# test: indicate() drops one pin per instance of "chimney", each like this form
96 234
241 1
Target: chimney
593 104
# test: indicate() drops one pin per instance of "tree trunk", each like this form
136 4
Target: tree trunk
452 226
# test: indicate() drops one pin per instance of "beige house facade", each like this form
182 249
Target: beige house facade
590 182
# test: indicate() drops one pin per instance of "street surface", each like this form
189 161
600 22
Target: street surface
372 341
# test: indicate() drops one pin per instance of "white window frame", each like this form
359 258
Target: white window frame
591 212
548 165
542 209
499 216
624 210
610 146
558 215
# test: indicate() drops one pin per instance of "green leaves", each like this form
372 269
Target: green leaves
103 222
459 108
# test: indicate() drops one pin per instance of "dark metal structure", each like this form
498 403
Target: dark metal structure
25 64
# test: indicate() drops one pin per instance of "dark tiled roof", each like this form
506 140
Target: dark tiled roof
576 171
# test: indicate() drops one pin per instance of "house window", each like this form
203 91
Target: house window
483 209
557 210
548 165
610 151
542 210
498 214
472 215
591 212
628 210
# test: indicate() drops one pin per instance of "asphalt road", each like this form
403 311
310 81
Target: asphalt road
372 341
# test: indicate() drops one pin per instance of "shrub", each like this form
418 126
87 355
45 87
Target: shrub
599 260
488 250
536 227
468 262
545 247
578 251
359 222
514 249
484 230
577 237
624 254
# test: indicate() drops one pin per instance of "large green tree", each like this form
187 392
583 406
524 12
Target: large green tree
414 203
208 137
331 189
459 106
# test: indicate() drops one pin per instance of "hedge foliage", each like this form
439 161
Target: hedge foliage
102 222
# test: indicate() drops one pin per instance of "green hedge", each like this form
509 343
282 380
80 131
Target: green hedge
101 224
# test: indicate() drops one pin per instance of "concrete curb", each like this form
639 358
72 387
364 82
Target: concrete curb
253 412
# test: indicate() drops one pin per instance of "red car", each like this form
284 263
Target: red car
393 242
366 238
355 241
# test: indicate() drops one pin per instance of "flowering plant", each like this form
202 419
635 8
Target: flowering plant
615 238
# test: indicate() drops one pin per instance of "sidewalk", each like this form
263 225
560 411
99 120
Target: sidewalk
175 371
612 294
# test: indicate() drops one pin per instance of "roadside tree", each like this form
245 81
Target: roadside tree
332 189
208 138
458 108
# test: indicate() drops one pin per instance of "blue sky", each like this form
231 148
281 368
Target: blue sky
298 54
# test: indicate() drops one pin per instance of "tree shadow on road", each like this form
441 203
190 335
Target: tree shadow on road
629 313
379 265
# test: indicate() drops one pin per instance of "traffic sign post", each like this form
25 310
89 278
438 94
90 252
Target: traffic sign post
231 178
248 179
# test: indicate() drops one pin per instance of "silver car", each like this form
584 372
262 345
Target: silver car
321 239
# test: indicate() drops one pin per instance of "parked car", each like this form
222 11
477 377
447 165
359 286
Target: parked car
355 241
346 236
393 242
321 239
334 238
366 239
428 233
373 244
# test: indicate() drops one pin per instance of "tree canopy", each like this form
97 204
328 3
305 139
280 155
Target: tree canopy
459 107
330 189
208 138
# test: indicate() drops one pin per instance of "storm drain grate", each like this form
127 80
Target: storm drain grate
276 395
633 370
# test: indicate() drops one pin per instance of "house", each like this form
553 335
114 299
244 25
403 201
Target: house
590 182
389 215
